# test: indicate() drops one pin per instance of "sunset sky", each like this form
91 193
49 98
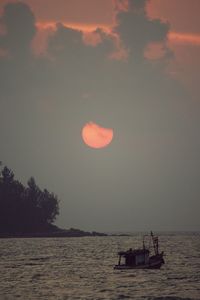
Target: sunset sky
130 66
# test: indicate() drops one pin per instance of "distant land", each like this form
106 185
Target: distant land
52 231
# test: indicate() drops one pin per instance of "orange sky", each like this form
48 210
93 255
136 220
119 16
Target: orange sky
182 15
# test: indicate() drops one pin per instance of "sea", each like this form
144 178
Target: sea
82 268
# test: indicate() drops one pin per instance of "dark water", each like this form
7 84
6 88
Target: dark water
82 268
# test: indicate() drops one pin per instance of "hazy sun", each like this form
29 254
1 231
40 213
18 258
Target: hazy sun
96 136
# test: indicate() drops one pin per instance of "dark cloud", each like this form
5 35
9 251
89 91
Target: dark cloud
137 30
137 5
19 23
67 46
80 68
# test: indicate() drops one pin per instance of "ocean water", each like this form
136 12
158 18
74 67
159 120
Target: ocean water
82 268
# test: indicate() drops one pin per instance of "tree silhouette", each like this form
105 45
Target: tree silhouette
25 209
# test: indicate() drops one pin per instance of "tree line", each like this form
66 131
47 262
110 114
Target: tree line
25 209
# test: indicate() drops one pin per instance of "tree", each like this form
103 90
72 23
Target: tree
11 194
7 175
25 209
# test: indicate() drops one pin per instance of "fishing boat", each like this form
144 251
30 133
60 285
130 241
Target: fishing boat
142 258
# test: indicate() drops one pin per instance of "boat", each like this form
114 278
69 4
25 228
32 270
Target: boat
142 258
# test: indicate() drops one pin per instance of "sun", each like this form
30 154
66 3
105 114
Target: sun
96 136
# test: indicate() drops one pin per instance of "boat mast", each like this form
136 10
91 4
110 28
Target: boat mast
155 243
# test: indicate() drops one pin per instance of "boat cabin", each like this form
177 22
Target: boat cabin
133 257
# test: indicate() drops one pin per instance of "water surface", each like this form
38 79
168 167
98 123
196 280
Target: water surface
82 268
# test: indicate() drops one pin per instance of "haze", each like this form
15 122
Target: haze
128 71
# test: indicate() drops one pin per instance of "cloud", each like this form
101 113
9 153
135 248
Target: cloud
136 30
19 23
155 51
93 16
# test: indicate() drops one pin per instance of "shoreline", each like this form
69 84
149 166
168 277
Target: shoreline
59 234
52 234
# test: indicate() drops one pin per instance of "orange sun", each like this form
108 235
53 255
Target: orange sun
96 136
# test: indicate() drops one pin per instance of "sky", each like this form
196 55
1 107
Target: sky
131 66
